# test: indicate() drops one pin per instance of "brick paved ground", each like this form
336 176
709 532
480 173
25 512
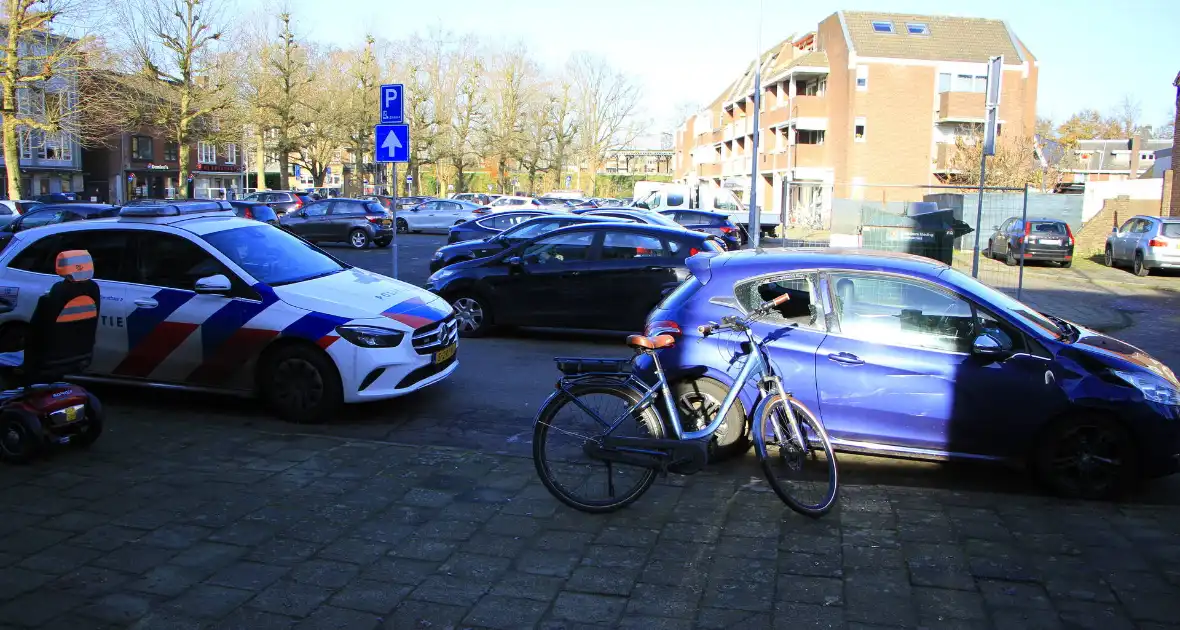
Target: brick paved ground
168 524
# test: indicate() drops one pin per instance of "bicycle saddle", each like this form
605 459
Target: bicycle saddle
642 342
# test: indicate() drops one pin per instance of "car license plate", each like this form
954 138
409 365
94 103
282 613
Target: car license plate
1050 241
444 355
386 222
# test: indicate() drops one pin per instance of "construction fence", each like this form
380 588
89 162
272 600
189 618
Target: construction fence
939 222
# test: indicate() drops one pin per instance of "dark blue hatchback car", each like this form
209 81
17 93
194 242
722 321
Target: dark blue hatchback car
902 356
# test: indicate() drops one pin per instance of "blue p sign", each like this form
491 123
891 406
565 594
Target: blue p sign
393 107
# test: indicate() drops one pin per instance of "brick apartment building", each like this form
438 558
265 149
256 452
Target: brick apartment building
865 99
142 164
1174 193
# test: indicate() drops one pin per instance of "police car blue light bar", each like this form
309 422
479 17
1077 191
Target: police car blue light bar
175 209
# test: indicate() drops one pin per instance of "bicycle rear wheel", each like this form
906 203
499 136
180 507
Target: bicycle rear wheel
803 475
560 433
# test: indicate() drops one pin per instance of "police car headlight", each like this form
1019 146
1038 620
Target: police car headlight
1153 387
371 336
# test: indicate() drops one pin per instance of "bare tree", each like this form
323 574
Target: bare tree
511 83
253 45
563 126
606 102
420 110
359 112
39 79
292 75
1127 116
537 148
181 81
322 136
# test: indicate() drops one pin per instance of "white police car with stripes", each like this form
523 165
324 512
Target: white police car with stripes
195 297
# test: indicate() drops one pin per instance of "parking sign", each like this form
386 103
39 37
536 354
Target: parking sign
393 107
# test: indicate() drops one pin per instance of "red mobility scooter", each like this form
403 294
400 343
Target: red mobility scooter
40 411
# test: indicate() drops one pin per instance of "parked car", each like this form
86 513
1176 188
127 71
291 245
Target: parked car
1147 243
601 276
386 202
478 199
630 214
530 228
52 214
714 223
354 221
438 214
405 203
282 201
10 209
503 203
491 224
196 299
255 210
58 197
903 356
555 202
1048 240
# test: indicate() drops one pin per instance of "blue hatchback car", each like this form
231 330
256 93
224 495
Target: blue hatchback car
902 356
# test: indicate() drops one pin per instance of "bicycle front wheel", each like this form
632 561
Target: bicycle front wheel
559 436
803 475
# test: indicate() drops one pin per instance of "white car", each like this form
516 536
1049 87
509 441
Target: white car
515 203
10 209
437 214
195 297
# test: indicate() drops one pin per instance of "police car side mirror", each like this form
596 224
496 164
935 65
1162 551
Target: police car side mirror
213 284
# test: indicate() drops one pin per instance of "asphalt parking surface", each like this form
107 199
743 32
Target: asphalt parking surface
489 403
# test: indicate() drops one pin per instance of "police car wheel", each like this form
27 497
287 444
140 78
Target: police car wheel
301 384
358 239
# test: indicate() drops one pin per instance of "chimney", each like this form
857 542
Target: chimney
1136 142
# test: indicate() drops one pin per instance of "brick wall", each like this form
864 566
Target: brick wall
1091 239
1170 207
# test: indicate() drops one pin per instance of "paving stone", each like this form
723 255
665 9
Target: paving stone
753 595
134 558
1025 619
1081 588
416 548
169 579
246 618
77 521
290 598
167 620
245 532
612 556
416 614
15 580
119 608
601 609
425 497
719 618
333 618
176 536
810 564
208 555
627 537
400 570
36 608
949 604
282 551
447 589
868 607
494 545
371 596
503 613
811 590
476 567
664 601
511 525
518 585
251 576
324 573
32 539
59 559
1014 595
355 551
1092 615
1157 607
555 563
802 615
607 581
88 582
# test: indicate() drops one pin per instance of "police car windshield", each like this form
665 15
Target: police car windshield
273 256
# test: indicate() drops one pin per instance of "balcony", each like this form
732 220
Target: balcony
718 136
709 170
728 132
961 107
809 107
773 117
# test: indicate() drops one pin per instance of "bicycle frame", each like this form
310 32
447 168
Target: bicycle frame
756 364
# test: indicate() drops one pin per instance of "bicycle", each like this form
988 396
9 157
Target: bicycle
785 431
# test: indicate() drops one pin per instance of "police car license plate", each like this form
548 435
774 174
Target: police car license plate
444 355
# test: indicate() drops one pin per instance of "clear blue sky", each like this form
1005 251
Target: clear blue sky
1091 52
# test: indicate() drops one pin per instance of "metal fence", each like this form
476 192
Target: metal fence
940 222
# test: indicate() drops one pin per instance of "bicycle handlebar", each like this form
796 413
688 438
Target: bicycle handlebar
732 322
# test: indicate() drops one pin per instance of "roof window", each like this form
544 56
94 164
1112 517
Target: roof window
883 27
917 28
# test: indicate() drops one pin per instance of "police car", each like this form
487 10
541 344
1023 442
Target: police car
195 297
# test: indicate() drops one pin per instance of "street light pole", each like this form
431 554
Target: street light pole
755 216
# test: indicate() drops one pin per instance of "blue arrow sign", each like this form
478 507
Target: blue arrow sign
392 143
393 107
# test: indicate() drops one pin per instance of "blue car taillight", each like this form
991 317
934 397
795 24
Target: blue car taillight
662 327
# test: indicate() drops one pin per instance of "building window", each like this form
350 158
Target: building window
231 153
915 28
944 82
141 148
883 27
813 136
26 145
862 78
206 153
171 151
859 130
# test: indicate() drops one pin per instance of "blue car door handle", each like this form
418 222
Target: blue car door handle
845 358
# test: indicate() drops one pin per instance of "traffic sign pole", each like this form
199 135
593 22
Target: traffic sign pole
393 204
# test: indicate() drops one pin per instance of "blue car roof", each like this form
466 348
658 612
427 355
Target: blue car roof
752 262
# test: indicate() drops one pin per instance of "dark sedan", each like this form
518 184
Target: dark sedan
255 210
58 197
354 221
282 201
50 214
604 276
714 223
496 243
1048 240
490 225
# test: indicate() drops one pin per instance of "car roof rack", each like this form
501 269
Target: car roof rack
176 208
